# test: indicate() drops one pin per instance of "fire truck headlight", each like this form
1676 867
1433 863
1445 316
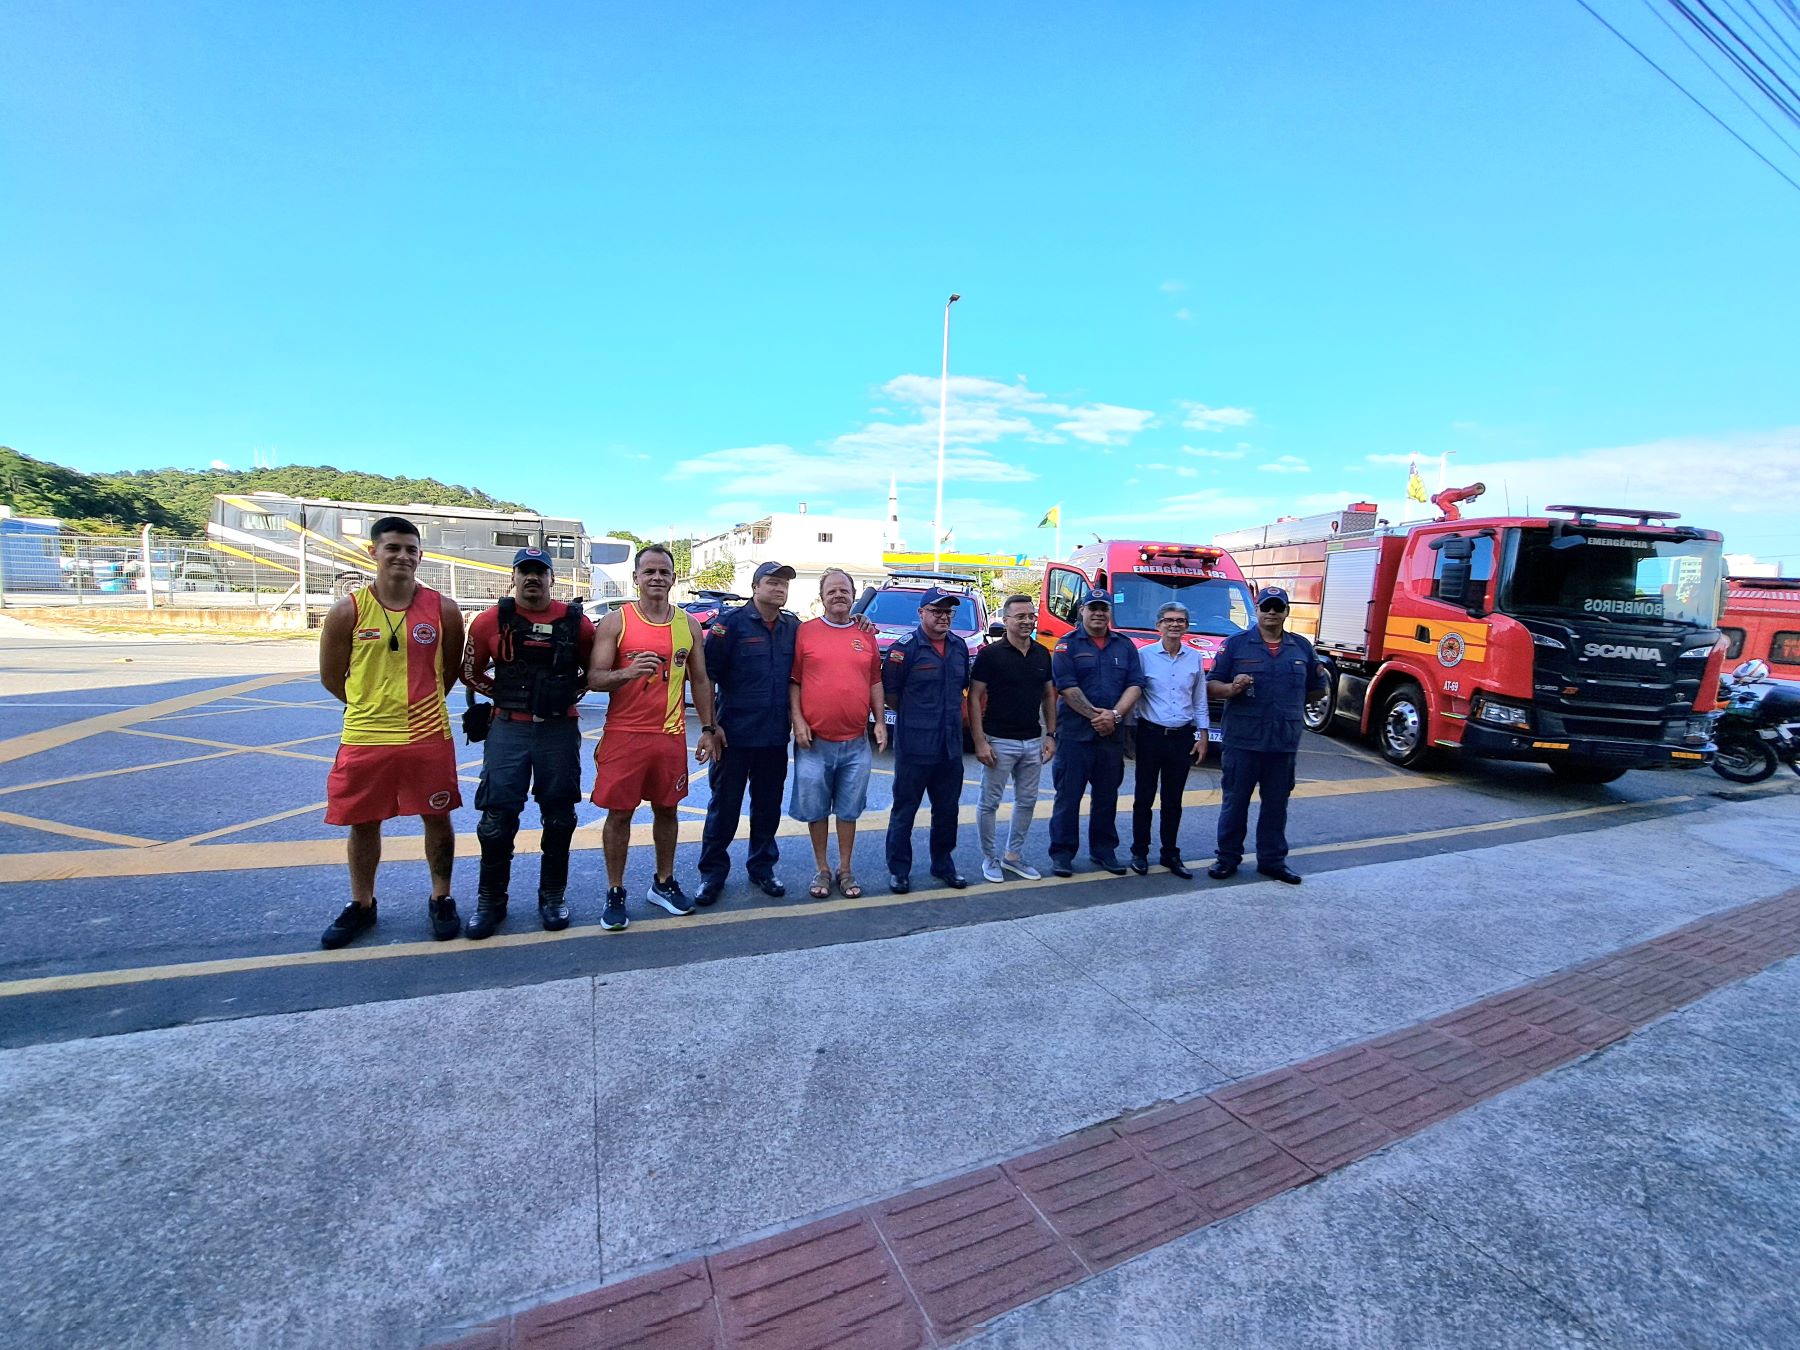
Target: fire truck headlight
1696 652
1539 640
1500 715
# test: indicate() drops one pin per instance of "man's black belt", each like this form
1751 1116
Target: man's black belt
1145 724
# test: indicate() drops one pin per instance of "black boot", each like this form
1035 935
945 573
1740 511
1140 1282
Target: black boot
489 914
553 867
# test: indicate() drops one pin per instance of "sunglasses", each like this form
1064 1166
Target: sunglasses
1275 607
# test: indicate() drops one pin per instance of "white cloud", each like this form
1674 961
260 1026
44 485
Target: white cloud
1184 313
219 464
1201 452
1179 470
1201 417
1173 287
1200 514
1389 459
1106 423
991 431
1285 464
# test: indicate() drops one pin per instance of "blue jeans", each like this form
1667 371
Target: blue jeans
1098 763
1245 771
831 779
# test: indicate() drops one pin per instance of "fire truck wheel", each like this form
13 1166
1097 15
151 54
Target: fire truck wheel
1404 732
1575 771
1318 712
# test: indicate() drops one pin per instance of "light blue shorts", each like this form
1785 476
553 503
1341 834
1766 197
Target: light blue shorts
831 779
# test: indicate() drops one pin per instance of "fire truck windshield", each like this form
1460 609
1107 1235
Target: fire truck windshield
1619 578
1215 605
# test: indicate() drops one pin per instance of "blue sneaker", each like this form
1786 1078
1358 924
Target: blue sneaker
669 895
613 918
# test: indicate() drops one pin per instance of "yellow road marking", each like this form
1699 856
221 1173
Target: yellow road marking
73 864
246 825
50 738
74 831
278 748
101 979
114 773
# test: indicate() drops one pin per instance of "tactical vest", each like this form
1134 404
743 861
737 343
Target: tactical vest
537 666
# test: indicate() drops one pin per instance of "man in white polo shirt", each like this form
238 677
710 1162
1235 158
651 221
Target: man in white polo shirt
1171 737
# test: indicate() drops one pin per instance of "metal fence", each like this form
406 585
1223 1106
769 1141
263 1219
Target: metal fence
41 565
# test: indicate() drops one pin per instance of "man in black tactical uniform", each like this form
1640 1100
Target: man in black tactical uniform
538 651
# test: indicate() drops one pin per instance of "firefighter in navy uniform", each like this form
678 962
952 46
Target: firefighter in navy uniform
924 676
529 653
1265 675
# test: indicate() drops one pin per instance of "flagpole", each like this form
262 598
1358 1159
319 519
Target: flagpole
937 520
1057 556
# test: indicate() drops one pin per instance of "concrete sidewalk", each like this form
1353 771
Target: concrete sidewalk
364 1176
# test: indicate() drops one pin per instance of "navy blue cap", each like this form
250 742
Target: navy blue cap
772 569
528 556
1268 593
1094 597
935 596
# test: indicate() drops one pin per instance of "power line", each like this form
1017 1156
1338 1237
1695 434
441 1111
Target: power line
1774 33
1690 97
1719 75
1743 66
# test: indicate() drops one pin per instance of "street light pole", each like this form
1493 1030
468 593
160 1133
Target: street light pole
937 518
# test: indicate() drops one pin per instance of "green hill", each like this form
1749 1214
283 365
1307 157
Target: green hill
180 500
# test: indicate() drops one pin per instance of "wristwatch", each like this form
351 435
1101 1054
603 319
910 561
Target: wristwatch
707 730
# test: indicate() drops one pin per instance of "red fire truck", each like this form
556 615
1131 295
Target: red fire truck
1762 619
1586 639
1140 576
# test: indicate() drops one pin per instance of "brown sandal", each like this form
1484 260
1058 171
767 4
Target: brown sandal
821 885
848 886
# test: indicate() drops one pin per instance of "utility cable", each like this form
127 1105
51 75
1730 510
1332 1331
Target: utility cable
1791 110
1774 34
1690 98
1719 75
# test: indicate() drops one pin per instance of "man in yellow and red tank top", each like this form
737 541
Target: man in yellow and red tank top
643 654
390 652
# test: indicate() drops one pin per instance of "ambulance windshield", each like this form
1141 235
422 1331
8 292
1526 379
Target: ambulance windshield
1615 578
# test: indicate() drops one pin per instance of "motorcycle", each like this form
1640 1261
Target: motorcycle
1759 730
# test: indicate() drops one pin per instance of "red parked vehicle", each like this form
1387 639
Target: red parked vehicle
1139 577
1762 621
1586 638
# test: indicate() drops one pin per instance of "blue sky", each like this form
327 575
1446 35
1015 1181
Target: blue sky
678 265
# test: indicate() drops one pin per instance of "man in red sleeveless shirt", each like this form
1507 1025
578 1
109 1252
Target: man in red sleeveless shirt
389 652
643 653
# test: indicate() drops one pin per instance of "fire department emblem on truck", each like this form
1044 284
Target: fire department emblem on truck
1450 650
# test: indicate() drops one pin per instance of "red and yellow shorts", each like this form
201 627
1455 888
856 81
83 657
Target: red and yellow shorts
632 767
369 783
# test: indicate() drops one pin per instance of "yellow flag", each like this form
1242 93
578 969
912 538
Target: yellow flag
1051 517
1415 485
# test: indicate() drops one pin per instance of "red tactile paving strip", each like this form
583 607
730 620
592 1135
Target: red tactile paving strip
925 1267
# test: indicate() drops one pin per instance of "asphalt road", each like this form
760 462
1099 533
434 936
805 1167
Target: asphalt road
166 859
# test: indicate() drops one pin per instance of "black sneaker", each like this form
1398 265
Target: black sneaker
350 925
669 895
613 918
446 923
553 913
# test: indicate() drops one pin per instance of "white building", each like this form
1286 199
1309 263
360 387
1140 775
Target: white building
807 543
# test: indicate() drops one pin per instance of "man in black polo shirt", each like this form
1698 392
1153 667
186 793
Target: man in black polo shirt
1012 720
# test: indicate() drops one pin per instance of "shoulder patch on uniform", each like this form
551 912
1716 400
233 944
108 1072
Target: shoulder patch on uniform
895 654
1062 646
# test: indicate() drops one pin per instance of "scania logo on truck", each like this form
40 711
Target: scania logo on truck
1613 651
